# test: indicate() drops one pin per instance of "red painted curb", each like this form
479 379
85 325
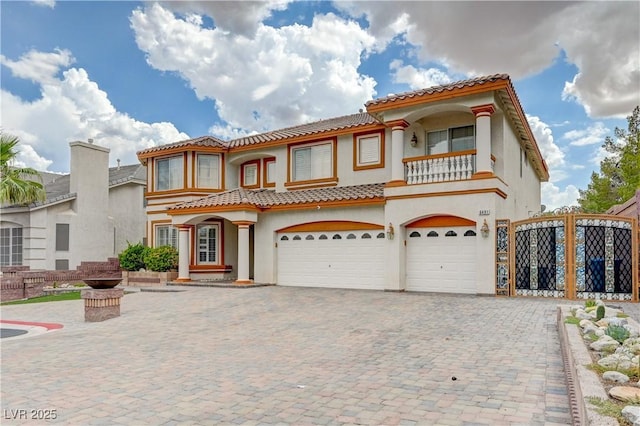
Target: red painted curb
47 325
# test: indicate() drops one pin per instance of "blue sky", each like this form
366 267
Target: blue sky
132 75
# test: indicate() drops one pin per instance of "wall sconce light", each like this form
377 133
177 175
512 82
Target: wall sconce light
484 230
390 231
414 140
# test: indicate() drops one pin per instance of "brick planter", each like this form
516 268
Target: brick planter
147 278
101 305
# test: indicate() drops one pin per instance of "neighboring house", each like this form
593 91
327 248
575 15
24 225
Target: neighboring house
89 214
630 208
404 196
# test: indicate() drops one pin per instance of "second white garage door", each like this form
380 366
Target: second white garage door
441 260
337 259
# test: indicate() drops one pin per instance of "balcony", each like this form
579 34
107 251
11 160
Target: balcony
448 167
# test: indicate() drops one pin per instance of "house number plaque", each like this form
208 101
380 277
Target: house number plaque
485 212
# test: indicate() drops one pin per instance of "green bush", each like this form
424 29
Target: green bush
617 332
132 258
161 259
589 303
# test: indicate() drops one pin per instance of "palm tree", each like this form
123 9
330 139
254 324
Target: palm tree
18 185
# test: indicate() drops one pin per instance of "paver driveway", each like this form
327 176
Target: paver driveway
275 355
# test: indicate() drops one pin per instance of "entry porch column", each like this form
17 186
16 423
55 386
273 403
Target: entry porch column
243 252
183 252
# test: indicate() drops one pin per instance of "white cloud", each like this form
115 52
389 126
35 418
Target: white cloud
237 17
551 153
39 67
417 78
594 134
47 3
553 196
279 77
602 39
72 107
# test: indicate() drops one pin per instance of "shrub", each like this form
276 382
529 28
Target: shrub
617 332
161 259
132 258
599 313
589 303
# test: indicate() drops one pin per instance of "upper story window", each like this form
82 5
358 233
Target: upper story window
10 246
169 173
208 167
312 162
451 140
250 174
368 151
269 172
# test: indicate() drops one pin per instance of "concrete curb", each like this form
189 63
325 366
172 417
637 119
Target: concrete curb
582 383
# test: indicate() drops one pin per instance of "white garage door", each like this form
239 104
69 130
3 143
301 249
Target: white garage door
441 260
337 259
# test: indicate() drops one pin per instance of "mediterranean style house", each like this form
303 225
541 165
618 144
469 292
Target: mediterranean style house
402 196
89 214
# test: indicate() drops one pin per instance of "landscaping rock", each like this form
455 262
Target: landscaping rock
617 361
632 414
615 376
600 332
632 345
590 329
617 321
584 323
633 331
604 343
580 313
625 394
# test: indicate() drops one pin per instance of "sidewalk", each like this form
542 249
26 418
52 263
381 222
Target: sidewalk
275 355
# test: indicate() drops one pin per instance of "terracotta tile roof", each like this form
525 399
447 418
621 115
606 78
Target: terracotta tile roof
317 127
207 141
265 198
438 89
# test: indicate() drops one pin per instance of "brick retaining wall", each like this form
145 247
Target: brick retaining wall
18 282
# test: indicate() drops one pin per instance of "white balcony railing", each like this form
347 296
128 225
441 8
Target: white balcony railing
429 169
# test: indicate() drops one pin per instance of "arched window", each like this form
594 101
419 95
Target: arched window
351 237
432 234
450 234
380 235
323 237
309 237
284 238
337 237
297 238
414 234
470 233
366 235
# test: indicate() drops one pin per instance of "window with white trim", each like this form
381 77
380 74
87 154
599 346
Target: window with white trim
208 243
451 140
169 173
10 246
250 174
369 151
166 235
270 172
311 162
208 166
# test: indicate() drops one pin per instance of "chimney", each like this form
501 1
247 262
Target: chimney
118 161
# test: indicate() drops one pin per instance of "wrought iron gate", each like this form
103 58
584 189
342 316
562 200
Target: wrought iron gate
568 256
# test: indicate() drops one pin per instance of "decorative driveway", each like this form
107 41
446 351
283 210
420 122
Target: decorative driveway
277 355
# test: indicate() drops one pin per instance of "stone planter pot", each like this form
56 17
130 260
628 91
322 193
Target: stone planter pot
102 283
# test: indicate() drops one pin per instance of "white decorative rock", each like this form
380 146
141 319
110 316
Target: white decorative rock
617 361
590 329
632 345
600 332
583 315
585 322
632 414
615 376
604 343
625 394
617 321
